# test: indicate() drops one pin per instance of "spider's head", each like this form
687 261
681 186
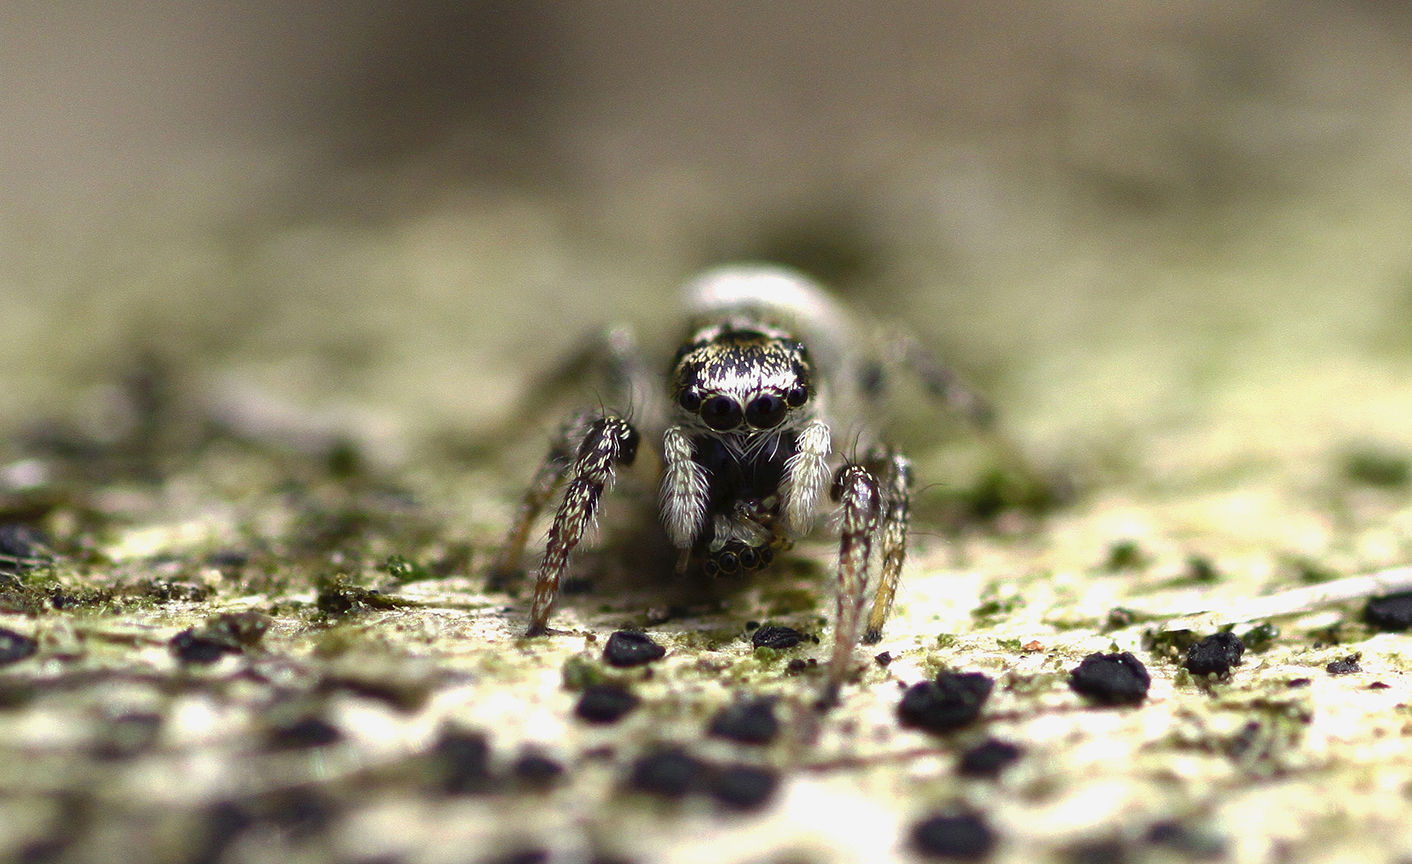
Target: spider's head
742 378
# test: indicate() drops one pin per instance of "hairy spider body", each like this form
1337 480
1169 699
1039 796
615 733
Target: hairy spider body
770 371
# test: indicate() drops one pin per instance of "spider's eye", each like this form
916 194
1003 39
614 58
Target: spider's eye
765 411
796 396
689 399
721 413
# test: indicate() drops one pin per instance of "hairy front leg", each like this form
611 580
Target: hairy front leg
607 443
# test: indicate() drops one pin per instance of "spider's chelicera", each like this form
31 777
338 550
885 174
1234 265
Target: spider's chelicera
771 370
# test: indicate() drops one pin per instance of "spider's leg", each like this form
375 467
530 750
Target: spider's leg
861 505
608 442
546 482
897 502
940 380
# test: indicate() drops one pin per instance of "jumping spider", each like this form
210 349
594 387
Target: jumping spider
771 376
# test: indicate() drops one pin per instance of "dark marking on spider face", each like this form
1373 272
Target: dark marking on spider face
729 375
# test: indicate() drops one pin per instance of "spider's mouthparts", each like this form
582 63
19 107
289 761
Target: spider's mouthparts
736 557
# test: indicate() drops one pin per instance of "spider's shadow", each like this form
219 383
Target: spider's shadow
630 580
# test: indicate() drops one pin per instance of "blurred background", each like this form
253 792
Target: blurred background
1174 234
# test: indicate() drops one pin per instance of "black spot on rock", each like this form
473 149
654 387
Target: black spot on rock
1195 844
605 703
1111 679
460 762
223 823
1097 852
191 646
1216 653
523 856
776 637
951 701
302 731
1393 612
300 812
671 773
744 787
1346 666
1298 682
962 837
537 771
629 648
239 629
989 758
750 722
15 647
127 736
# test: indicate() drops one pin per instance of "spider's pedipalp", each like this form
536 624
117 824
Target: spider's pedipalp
805 475
684 490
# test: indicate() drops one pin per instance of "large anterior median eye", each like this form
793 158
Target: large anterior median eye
765 411
721 413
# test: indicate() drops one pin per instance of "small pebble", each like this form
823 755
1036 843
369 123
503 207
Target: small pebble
1298 682
1216 653
776 637
798 666
15 647
951 701
964 837
605 703
1393 612
461 762
537 771
671 773
239 628
751 722
1097 852
989 759
1111 679
884 659
190 646
744 787
302 732
1192 843
629 648
1346 666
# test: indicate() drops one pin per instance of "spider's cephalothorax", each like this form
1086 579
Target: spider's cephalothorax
747 447
742 392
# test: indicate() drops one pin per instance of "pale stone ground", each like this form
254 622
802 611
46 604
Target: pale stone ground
1173 249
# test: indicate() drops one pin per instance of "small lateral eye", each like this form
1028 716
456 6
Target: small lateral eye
796 396
721 413
765 411
689 399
